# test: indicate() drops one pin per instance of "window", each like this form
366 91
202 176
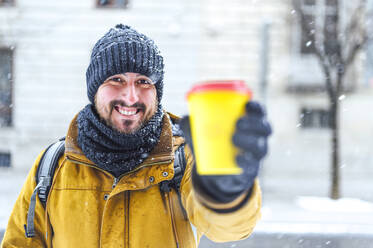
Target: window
6 63
319 14
6 3
112 3
314 118
4 159
308 38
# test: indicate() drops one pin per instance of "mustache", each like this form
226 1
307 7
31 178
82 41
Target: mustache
122 103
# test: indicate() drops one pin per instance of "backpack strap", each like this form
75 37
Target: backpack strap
179 162
179 168
175 182
44 177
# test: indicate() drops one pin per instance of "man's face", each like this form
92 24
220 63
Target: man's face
126 101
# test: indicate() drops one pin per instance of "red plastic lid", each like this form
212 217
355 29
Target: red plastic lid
217 85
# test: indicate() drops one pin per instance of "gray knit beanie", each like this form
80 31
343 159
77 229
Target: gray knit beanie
122 50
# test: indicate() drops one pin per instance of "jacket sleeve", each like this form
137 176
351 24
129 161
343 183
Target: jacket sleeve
216 225
15 232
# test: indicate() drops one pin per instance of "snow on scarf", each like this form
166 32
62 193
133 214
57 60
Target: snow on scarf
114 151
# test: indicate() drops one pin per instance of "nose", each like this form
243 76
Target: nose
130 93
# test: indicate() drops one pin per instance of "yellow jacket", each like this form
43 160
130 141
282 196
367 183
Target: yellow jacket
84 210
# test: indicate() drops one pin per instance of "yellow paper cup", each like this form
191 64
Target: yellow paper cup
214 108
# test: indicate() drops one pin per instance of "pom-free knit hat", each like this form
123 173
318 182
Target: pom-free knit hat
122 50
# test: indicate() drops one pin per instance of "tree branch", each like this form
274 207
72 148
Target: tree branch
319 50
354 50
356 31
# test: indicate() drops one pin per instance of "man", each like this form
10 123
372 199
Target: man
120 148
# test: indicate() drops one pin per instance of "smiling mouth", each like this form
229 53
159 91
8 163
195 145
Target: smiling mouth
127 111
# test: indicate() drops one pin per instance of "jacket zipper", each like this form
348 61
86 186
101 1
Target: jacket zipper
116 180
172 218
127 233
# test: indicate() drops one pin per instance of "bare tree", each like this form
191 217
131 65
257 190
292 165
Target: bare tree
336 54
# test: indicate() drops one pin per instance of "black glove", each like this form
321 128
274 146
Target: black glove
250 137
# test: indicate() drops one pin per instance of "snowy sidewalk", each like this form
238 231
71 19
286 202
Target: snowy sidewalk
317 215
309 222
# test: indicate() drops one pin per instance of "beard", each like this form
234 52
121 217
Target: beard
127 125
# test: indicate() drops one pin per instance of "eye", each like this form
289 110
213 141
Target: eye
116 79
145 82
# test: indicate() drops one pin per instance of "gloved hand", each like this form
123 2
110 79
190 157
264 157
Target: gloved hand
250 137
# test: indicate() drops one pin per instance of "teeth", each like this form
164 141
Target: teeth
124 112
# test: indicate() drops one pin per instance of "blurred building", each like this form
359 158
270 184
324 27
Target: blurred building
45 48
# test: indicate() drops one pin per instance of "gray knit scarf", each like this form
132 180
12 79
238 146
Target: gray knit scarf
111 150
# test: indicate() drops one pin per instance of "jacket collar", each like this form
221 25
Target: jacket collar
161 152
